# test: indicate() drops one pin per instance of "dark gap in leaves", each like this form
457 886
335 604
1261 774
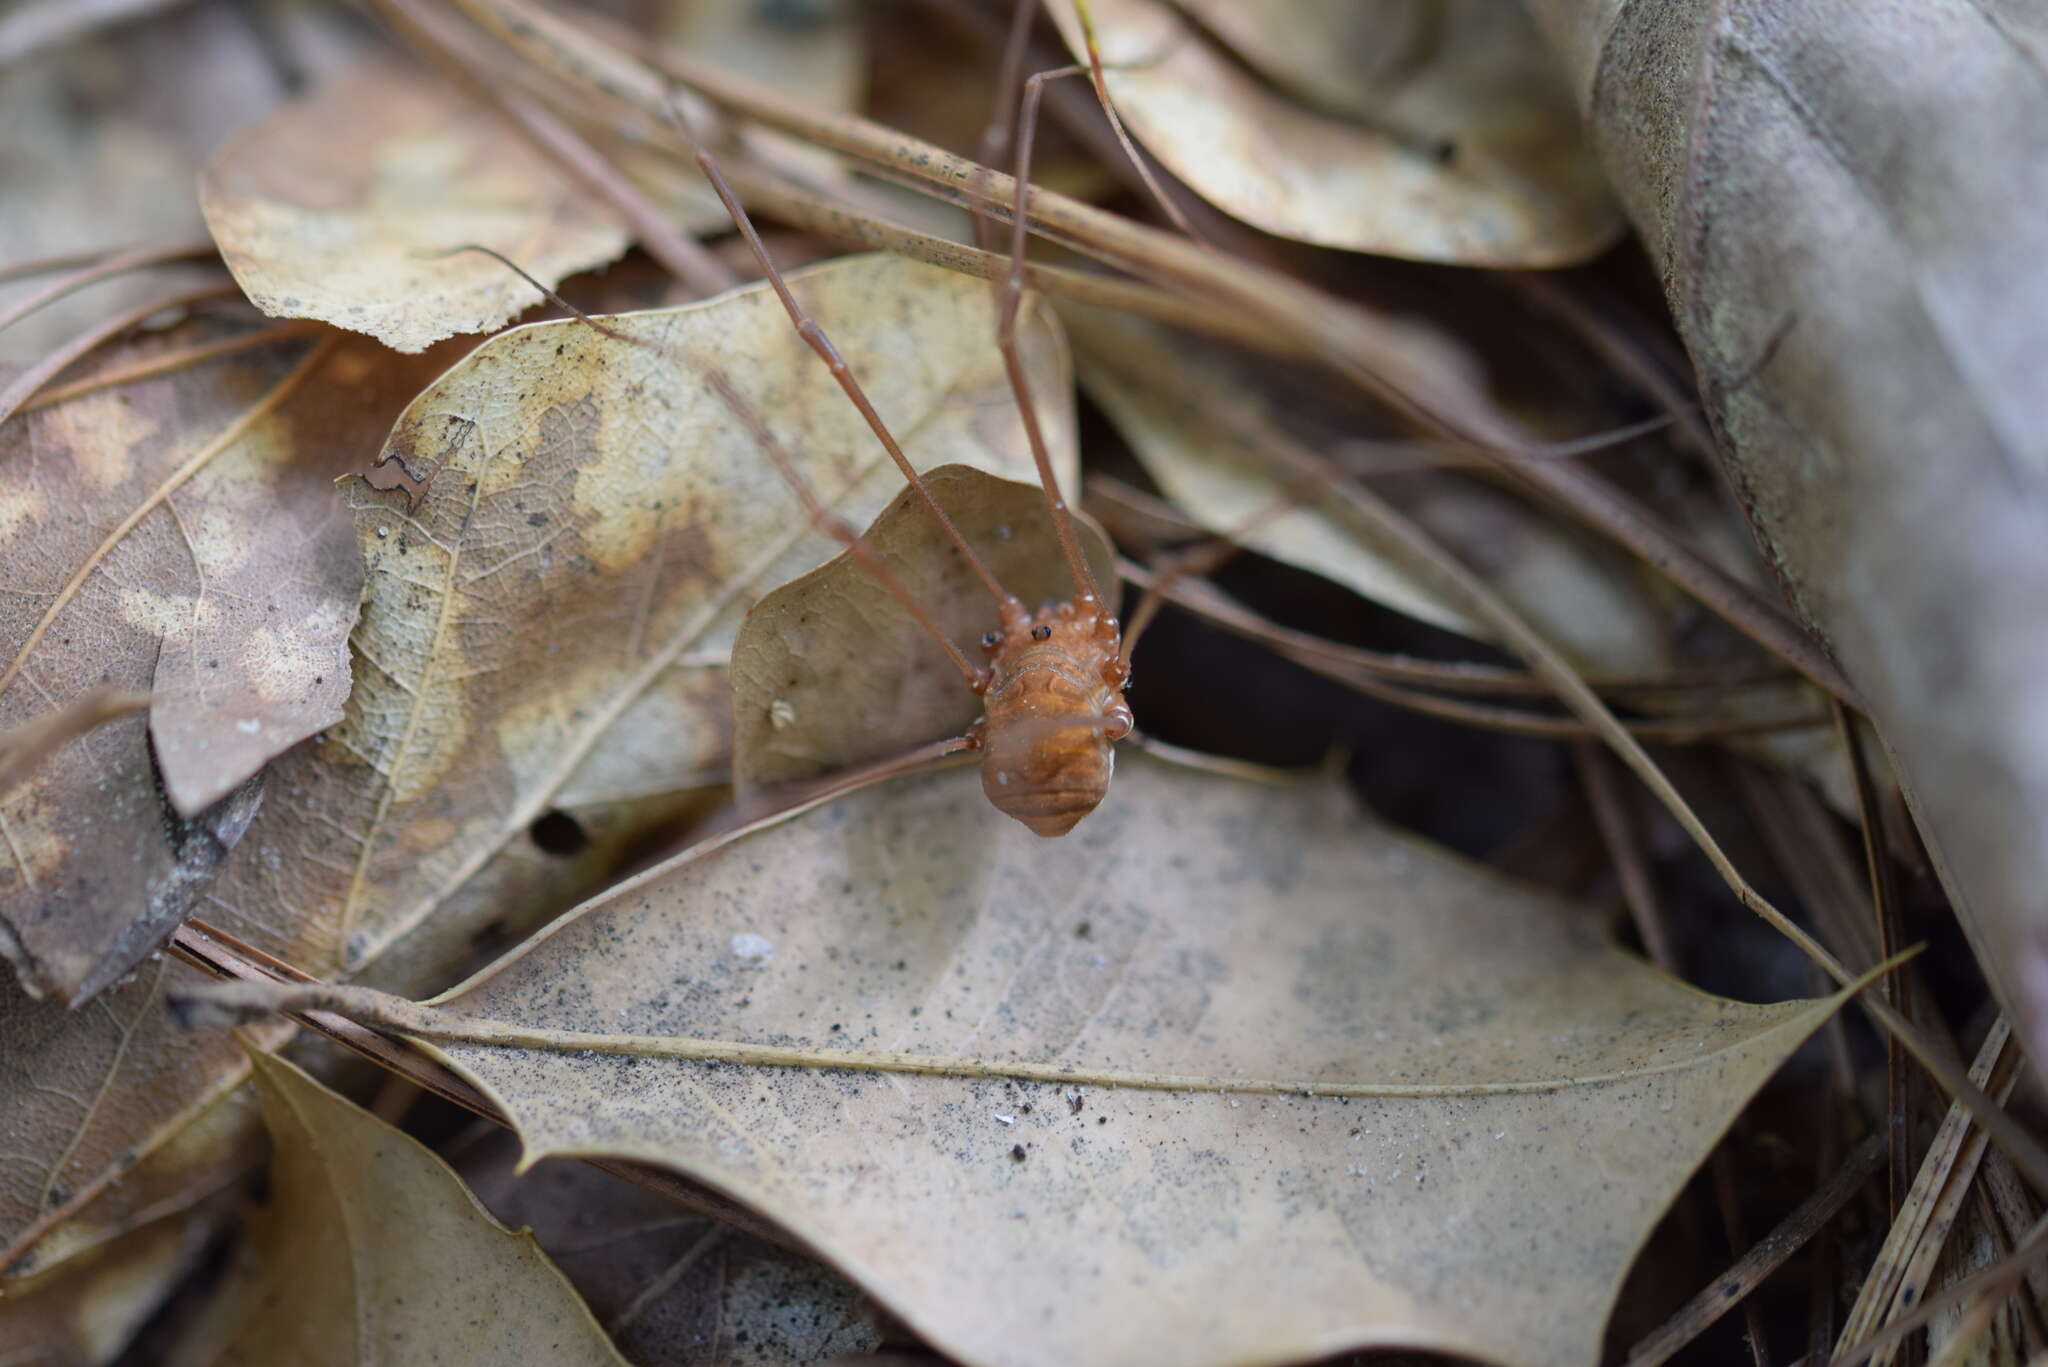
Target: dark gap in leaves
558 833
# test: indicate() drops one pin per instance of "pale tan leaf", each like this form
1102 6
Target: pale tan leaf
671 1288
1583 595
830 670
372 1250
1268 1033
1851 239
341 205
1437 132
540 662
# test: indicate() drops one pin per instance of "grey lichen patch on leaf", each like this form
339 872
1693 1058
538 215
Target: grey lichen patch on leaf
830 670
337 206
372 1250
1198 926
1430 129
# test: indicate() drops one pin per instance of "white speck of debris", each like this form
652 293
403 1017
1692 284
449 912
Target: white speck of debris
383 531
1235 1103
1002 778
1003 532
1356 1171
750 948
249 726
1380 1036
781 713
1003 1119
1500 1134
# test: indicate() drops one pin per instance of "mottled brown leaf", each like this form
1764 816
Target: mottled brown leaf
1851 238
1530 1098
177 535
830 670
371 1250
1430 130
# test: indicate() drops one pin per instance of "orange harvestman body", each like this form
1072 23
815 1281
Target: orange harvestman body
1052 689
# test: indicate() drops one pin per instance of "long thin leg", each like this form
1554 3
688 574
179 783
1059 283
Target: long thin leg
1116 124
814 336
837 527
1087 595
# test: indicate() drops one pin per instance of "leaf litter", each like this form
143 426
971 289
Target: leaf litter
327 1276
1300 1039
1458 145
544 636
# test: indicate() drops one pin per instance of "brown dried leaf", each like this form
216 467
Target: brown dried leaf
29 744
177 535
1545 1095
540 661
1458 144
829 670
340 206
1582 595
671 1288
1851 240
372 1250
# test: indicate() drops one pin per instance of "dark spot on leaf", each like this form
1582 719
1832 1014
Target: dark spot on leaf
558 833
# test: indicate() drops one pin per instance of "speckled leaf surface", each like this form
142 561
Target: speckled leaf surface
1844 200
1437 130
546 632
371 1250
830 670
1208 928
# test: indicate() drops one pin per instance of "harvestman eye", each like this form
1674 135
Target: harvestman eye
1041 633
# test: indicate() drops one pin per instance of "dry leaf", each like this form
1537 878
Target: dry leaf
105 134
1581 594
1460 145
603 522
372 1250
86 1313
176 535
341 206
672 1289
1851 239
1244 946
24 747
829 670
